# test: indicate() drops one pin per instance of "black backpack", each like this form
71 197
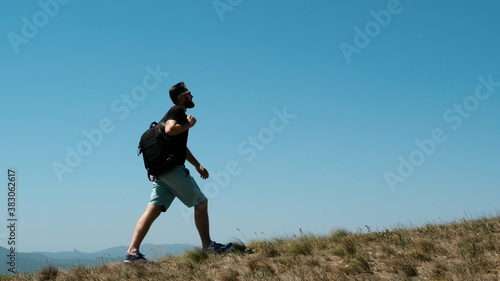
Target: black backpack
156 150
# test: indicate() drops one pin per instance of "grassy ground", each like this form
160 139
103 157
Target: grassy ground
465 250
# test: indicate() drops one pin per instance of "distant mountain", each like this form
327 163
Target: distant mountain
31 262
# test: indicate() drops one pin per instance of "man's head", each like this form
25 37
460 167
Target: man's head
181 96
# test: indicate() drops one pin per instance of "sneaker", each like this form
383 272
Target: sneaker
136 257
219 248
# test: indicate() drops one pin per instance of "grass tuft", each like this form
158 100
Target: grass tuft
197 255
338 235
47 273
265 248
301 246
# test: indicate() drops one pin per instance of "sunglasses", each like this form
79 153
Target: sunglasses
187 92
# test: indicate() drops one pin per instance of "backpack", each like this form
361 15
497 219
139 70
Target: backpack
156 150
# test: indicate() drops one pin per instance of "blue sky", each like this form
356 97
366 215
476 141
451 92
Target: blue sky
298 130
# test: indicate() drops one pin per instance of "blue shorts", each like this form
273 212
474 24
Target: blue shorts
176 182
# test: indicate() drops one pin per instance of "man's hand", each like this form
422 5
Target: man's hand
203 172
192 120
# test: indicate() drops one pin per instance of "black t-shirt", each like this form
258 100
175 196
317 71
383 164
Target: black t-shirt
178 142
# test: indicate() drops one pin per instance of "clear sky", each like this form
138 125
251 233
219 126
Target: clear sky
312 115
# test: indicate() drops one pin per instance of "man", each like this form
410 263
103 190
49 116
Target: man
177 182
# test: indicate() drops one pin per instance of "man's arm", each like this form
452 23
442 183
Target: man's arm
191 159
173 128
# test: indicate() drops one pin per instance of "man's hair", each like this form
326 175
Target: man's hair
176 90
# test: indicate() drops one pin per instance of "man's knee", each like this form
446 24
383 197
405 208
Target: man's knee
154 210
202 206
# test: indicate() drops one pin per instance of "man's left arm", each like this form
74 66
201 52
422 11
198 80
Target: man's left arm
190 158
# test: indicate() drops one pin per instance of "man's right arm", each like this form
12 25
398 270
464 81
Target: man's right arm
172 128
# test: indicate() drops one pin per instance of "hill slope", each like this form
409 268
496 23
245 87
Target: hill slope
465 250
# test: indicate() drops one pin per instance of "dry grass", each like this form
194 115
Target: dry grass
465 250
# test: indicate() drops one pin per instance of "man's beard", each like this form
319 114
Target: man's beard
189 104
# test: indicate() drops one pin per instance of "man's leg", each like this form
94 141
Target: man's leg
202 223
141 229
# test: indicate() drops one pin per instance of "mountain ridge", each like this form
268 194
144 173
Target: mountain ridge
28 262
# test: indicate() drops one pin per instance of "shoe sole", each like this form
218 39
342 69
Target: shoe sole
224 250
